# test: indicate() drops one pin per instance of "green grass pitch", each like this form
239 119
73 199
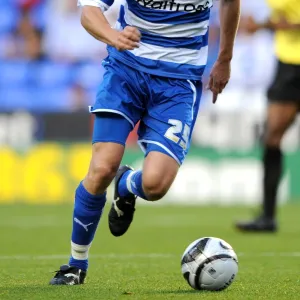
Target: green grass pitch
145 263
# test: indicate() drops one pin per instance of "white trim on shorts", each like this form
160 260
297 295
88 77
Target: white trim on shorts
194 97
160 145
111 111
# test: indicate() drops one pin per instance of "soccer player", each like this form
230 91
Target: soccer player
157 55
284 104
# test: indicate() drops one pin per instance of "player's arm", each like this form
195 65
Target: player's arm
229 19
95 23
280 23
284 26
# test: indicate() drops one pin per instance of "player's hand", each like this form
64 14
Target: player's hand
250 25
219 78
128 39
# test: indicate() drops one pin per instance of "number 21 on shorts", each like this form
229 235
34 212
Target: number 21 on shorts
176 134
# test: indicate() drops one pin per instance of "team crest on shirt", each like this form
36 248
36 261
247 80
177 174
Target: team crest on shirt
177 5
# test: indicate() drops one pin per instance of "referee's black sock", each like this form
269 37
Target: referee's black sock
273 162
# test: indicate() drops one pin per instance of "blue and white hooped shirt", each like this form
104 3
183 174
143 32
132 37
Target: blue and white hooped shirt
174 40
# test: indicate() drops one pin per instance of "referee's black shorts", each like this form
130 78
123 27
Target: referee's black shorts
286 84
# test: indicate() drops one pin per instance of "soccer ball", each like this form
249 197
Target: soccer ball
209 264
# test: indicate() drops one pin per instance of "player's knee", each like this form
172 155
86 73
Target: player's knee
274 136
154 190
101 172
154 193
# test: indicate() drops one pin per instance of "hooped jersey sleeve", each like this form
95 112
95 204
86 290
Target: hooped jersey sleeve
102 4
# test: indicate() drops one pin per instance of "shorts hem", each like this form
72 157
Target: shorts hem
140 143
114 111
283 88
284 99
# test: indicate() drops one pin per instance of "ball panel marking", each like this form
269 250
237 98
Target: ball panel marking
192 253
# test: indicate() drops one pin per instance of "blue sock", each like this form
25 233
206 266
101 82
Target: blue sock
87 213
131 183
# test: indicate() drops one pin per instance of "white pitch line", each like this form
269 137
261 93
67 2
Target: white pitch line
111 255
271 254
140 255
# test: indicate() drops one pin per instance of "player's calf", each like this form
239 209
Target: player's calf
90 198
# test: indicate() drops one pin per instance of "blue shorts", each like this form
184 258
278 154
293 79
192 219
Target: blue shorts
167 108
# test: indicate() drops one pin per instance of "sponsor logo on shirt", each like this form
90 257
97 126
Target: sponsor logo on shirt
172 5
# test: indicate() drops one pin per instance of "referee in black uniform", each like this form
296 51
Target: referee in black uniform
283 105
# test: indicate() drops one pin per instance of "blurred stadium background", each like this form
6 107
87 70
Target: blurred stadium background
49 72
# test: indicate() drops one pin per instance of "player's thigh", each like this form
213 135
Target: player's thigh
159 172
106 158
170 118
109 137
165 132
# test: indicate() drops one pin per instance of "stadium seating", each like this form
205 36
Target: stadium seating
42 85
8 17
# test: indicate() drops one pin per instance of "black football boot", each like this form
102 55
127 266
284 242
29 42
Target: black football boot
122 209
